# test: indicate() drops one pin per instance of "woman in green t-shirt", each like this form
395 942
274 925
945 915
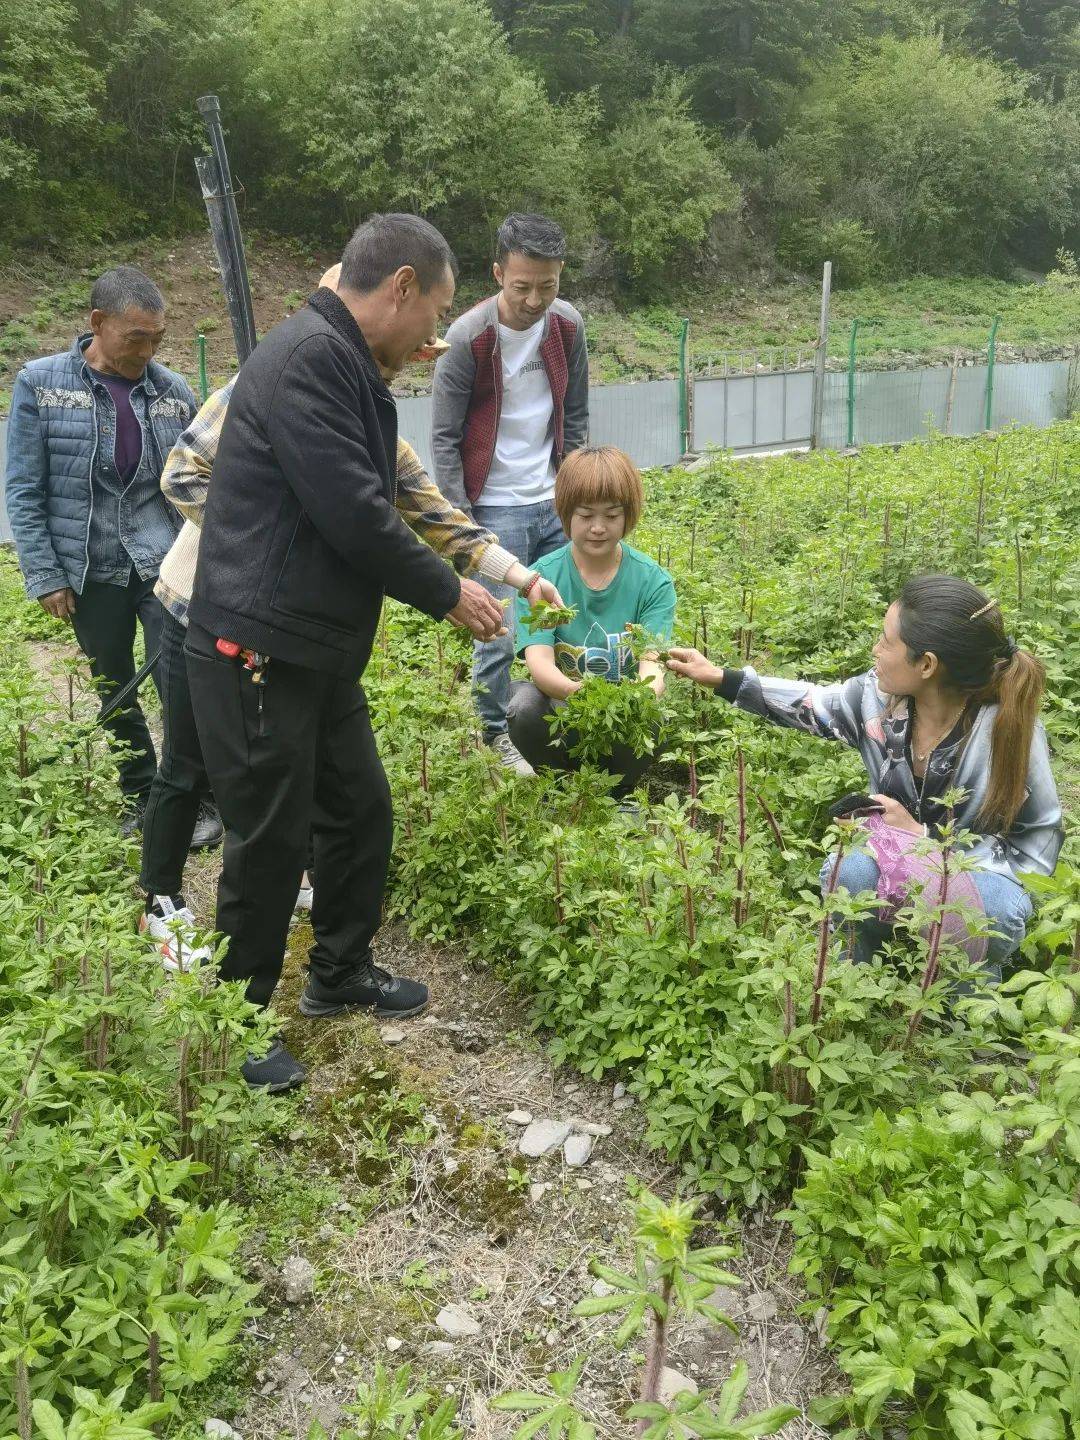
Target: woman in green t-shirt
609 585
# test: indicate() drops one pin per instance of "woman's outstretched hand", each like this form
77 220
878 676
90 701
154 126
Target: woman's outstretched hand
694 666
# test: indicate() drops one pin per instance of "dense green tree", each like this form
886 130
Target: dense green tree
577 45
1039 36
942 157
49 95
415 105
659 183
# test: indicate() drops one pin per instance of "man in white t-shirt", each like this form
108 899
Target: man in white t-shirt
510 400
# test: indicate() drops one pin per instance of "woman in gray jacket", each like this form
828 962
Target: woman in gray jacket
951 704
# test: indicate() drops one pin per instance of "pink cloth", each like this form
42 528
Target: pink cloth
900 869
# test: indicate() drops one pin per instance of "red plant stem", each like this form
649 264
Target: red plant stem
791 1083
24 764
933 952
704 633
771 821
423 765
688 891
22 1398
559 912
823 936
718 846
655 1354
24 1090
693 788
500 811
103 1028
185 1048
741 905
153 1352
644 901
693 542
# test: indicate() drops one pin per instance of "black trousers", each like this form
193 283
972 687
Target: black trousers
104 624
527 721
180 783
293 754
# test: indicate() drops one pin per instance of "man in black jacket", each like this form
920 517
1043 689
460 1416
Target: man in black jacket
300 543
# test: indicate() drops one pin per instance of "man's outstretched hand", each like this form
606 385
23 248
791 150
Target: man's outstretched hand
478 612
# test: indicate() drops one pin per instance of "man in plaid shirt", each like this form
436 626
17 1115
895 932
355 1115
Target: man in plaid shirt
181 777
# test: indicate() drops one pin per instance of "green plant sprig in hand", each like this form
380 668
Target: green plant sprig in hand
643 643
542 615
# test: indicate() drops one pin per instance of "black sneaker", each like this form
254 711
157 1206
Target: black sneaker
370 988
275 1072
131 817
209 830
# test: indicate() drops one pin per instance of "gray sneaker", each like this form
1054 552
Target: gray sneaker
510 757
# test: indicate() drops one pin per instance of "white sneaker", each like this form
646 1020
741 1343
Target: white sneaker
510 757
172 927
306 898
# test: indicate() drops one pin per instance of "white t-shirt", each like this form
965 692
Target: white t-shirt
522 469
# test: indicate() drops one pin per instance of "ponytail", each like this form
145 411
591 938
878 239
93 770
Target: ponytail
955 621
1017 687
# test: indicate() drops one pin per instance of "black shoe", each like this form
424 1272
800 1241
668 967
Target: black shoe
370 988
131 817
209 830
275 1072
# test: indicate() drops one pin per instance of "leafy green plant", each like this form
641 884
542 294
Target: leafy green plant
121 1107
391 1408
602 716
543 615
669 1277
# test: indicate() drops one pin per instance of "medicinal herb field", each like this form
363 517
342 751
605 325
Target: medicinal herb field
686 951
121 1110
928 1154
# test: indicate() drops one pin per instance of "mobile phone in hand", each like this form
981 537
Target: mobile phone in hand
854 805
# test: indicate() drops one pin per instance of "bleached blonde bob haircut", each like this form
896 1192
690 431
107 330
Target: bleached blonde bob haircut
598 475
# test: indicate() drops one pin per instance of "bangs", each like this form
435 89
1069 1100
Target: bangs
598 475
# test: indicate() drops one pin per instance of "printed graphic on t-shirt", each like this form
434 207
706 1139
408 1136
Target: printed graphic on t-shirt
607 656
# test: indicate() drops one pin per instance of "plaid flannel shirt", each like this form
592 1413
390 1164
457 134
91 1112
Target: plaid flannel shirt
186 478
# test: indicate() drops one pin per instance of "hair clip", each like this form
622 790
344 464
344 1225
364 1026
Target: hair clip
988 606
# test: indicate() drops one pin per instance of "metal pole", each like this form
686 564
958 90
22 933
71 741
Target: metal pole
216 183
200 351
684 386
990 352
820 356
851 385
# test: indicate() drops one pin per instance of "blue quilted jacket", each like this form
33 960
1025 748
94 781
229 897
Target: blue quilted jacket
53 441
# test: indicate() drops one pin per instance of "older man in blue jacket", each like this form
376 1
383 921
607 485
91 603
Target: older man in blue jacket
88 436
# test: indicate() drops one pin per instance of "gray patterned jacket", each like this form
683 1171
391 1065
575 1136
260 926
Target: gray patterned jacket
856 713
56 438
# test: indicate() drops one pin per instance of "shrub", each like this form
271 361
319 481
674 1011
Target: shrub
807 244
658 183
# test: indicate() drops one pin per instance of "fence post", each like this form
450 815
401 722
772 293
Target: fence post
684 386
991 350
820 357
851 385
200 351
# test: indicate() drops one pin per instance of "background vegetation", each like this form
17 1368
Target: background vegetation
893 135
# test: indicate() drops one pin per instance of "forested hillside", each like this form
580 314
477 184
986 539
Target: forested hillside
675 136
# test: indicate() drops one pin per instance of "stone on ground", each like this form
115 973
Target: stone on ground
455 1320
542 1136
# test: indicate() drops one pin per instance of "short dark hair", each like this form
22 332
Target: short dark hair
532 235
126 288
384 243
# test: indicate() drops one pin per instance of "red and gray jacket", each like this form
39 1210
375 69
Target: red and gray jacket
467 395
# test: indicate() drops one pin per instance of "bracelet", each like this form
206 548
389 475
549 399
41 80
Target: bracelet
531 585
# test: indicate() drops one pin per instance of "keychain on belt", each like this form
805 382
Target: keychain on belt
255 663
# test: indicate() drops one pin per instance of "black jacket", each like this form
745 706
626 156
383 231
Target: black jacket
300 538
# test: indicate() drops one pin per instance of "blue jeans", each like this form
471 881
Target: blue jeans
527 531
1007 905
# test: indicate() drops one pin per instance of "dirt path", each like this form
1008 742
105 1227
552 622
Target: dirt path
391 1187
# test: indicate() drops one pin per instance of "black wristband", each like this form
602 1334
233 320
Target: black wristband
729 686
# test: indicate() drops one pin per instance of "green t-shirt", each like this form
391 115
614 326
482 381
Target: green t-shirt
594 642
